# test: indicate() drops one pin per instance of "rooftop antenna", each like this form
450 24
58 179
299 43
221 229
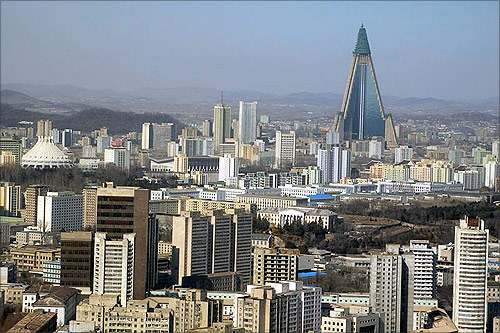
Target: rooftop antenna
222 97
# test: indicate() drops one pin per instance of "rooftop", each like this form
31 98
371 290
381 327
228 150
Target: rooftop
33 322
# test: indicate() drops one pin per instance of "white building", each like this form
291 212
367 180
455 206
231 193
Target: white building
118 156
375 149
470 275
281 216
469 178
58 211
495 148
492 171
424 281
157 135
290 190
334 163
403 153
228 167
248 122
285 148
114 266
10 199
339 319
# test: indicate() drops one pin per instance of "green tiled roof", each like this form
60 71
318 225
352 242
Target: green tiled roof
362 46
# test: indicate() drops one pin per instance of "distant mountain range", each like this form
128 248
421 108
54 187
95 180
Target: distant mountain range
87 120
195 101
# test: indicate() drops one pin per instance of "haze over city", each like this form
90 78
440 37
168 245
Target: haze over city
444 50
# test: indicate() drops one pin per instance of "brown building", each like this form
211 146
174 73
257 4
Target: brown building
125 210
31 201
35 322
77 259
89 207
31 258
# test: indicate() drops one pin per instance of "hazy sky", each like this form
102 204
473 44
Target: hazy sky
425 49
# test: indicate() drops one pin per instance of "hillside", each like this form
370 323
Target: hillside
21 100
87 120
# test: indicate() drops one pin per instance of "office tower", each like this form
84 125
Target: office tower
124 210
10 199
403 153
215 242
334 164
103 142
279 307
425 276
13 146
470 275
118 156
114 271
375 149
222 124
43 128
89 207
285 148
362 115
157 135
274 265
77 259
229 167
67 137
495 148
248 122
391 290
207 128
59 211
31 201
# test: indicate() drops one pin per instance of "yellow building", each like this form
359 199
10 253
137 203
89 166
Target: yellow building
31 258
204 206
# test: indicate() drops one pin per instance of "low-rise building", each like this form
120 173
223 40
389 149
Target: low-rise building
31 258
336 318
261 240
282 216
263 201
36 322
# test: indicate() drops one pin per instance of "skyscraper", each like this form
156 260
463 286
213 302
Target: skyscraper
470 275
248 122
157 135
31 201
222 124
207 128
362 115
43 128
285 148
77 259
334 163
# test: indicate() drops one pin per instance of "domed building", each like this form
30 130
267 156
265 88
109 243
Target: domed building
45 155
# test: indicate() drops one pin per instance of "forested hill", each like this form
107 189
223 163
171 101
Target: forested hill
87 120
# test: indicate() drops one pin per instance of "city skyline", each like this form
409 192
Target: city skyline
156 48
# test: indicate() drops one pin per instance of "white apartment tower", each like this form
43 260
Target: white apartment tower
118 156
10 199
375 149
114 266
285 148
470 275
425 274
248 122
157 135
58 211
334 163
403 153
228 167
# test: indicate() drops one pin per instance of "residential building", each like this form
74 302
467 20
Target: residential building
261 240
59 211
285 148
375 149
403 153
228 167
124 210
274 265
157 135
13 146
31 258
248 122
10 199
362 115
205 205
470 275
334 164
337 318
52 272
89 207
207 128
43 128
31 202
103 142
8 273
77 259
119 156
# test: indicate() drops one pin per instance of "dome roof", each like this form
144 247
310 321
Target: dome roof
45 154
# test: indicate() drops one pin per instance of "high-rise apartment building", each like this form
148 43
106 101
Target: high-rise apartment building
103 142
247 122
216 242
375 149
44 128
114 266
362 115
157 135
59 211
274 265
10 199
495 148
470 275
279 307
222 124
334 164
77 259
285 148
207 128
31 201
124 210
89 195
425 273
391 290
403 153
229 167
13 146
119 156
